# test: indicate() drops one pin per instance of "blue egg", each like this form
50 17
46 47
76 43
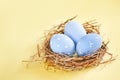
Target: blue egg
88 44
74 30
62 44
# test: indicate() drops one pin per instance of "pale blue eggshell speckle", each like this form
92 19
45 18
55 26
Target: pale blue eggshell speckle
74 30
88 44
62 44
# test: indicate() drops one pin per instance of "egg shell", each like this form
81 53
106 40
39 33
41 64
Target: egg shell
74 30
88 44
62 44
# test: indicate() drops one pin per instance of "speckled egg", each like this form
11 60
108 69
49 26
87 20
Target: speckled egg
62 44
88 44
74 30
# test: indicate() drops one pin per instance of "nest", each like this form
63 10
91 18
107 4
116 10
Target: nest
67 63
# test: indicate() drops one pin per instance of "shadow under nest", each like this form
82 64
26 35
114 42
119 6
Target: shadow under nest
65 62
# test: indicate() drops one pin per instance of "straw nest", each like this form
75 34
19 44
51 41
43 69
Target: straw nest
67 63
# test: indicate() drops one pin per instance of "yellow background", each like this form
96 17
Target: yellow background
23 22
